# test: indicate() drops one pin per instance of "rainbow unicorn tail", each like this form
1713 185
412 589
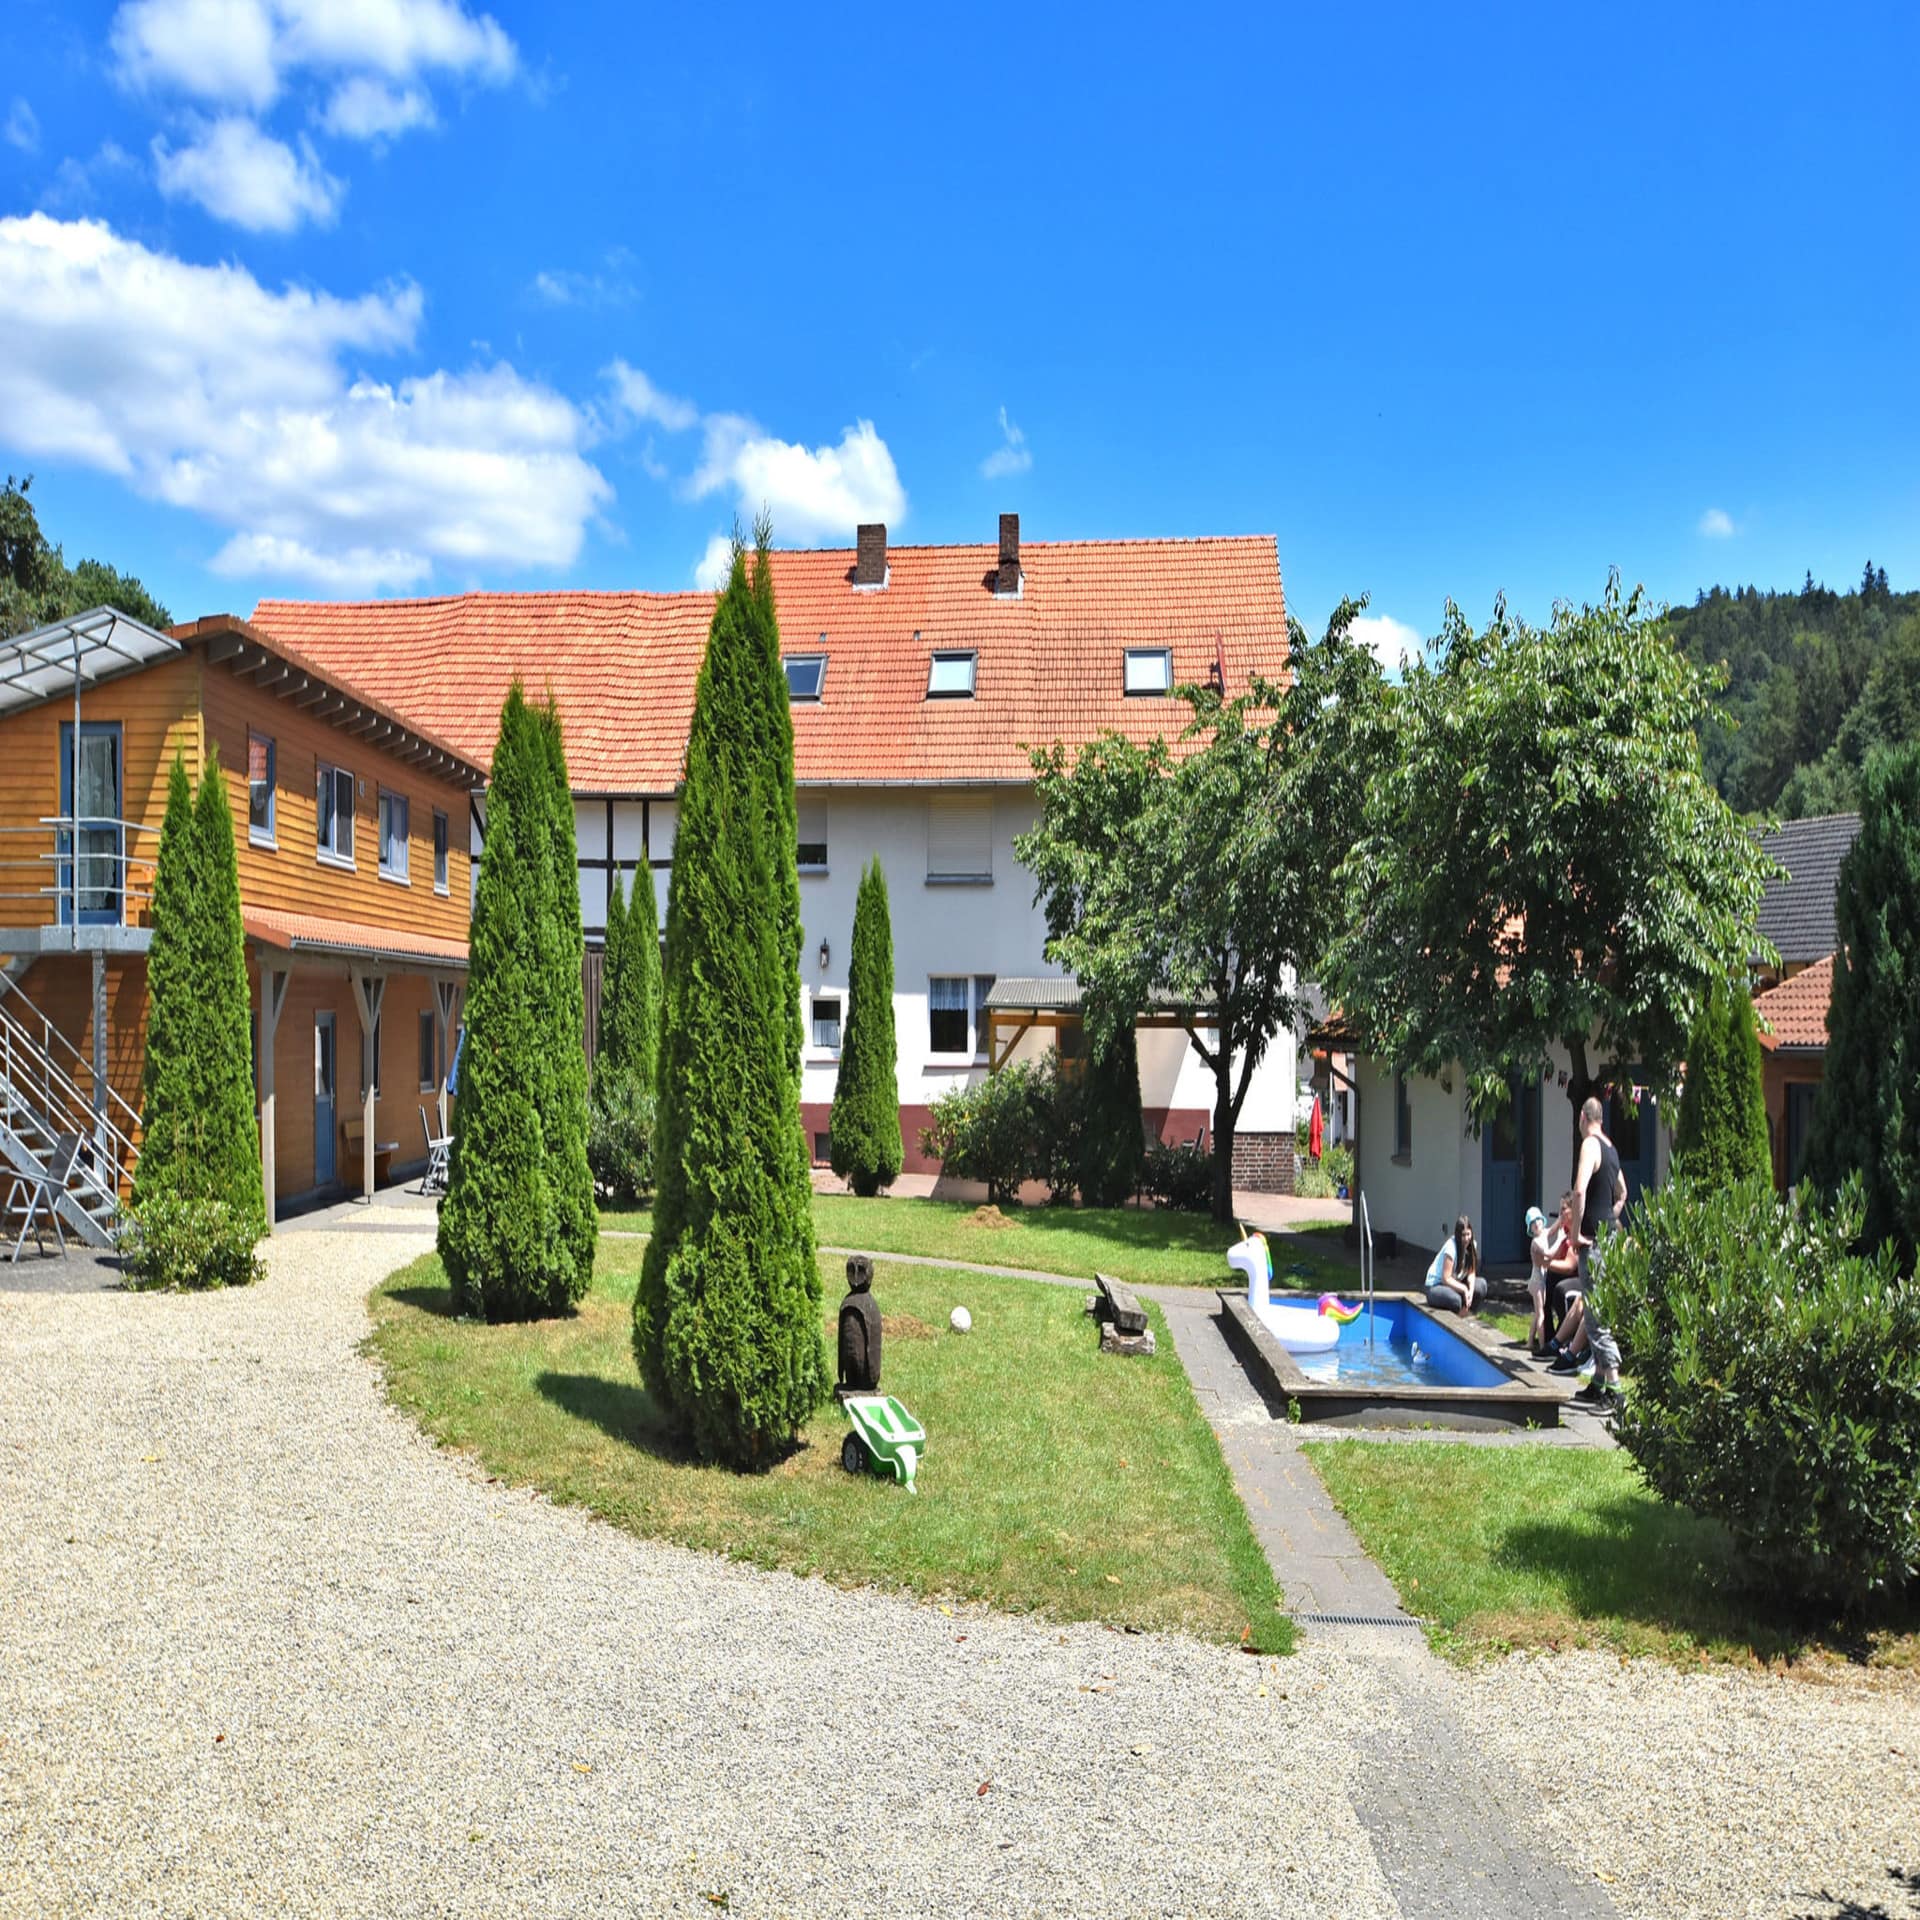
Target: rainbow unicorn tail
1337 1309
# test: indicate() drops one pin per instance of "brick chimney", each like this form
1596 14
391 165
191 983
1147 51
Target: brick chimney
1008 579
870 556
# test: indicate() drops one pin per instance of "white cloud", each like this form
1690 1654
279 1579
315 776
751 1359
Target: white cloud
205 390
248 178
241 52
22 126
1386 638
813 493
563 287
639 399
1716 524
1012 456
364 108
711 570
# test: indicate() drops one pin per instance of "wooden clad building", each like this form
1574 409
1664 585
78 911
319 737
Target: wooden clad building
352 828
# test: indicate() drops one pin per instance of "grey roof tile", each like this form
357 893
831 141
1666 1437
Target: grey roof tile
1797 912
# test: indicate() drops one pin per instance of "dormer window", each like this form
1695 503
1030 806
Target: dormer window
806 674
1149 670
950 677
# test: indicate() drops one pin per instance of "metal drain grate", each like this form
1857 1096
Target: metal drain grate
1354 1620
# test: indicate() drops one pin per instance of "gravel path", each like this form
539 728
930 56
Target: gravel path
266 1650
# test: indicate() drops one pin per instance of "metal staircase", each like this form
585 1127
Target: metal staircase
42 1099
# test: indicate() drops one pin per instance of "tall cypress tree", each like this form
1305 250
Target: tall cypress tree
610 1047
1721 1135
199 1138
502 1234
1113 1137
727 1315
630 983
1867 1115
866 1146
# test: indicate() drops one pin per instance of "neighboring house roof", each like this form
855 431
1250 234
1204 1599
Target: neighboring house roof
350 939
1049 660
1796 913
1796 1010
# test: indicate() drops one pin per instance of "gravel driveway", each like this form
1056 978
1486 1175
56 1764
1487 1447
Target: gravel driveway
267 1651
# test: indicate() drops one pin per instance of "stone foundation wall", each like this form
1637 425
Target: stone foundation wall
1263 1162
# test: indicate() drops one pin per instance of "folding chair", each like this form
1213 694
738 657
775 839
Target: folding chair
40 1192
434 1180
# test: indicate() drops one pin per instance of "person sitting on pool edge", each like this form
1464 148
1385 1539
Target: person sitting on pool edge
1455 1283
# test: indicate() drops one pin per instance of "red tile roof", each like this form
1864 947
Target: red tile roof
1796 1009
622 665
311 933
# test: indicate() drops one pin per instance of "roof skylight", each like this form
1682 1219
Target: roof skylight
1149 670
806 674
950 677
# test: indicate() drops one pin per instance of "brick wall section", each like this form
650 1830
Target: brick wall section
1263 1162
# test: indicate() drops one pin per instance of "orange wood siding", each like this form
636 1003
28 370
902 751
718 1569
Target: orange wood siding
158 712
290 876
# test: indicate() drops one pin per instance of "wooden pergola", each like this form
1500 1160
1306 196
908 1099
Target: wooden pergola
1015 1008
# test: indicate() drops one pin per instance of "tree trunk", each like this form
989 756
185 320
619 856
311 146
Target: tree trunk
1223 1126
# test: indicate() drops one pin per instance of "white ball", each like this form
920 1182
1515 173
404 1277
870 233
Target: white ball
960 1320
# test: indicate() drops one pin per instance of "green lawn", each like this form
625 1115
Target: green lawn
1549 1547
1057 1480
1144 1248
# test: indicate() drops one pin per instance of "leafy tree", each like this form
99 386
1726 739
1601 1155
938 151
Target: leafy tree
1867 1114
504 1231
1721 1136
1542 862
196 1093
37 585
727 1315
1113 1138
1203 870
866 1146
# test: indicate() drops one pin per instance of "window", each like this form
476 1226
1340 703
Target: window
394 812
813 836
826 1022
335 816
960 841
806 674
949 1003
439 852
950 677
259 790
429 1078
376 1064
1149 670
982 986
1402 1119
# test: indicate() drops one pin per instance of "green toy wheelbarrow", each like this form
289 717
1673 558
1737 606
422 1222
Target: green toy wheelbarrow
886 1438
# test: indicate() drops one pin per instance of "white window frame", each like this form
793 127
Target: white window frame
1141 690
807 804
329 853
442 852
951 657
952 805
788 661
266 836
402 874
838 1002
965 1009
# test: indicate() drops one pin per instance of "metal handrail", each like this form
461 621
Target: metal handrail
52 1075
1366 1262
119 875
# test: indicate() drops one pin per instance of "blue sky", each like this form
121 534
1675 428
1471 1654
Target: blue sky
404 296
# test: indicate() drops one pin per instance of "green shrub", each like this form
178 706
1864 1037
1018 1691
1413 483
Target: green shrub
1061 1115
1180 1177
1776 1381
189 1241
1113 1140
1721 1136
1312 1181
863 1136
989 1131
1337 1164
620 1134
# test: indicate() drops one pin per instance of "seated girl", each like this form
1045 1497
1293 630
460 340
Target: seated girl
1455 1283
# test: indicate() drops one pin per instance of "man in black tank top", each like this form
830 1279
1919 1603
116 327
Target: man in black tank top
1602 1191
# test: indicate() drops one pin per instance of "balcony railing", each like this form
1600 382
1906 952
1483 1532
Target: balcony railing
42 883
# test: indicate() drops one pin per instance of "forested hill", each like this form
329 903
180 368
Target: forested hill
1816 680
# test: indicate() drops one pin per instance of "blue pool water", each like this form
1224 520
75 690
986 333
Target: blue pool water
1410 1349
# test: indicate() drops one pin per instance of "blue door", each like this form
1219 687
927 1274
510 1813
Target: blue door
325 1060
1635 1133
1510 1173
96 819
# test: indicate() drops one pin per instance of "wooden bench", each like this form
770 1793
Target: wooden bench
355 1132
1121 1317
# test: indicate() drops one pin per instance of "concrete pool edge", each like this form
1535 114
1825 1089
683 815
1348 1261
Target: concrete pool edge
1521 1400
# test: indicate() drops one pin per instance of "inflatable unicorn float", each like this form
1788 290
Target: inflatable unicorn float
1298 1328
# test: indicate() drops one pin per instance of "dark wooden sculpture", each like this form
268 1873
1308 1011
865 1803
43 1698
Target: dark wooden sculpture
859 1329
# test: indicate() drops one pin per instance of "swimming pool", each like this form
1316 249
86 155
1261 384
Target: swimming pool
1409 1348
